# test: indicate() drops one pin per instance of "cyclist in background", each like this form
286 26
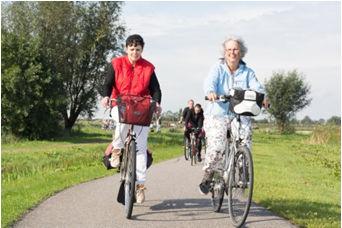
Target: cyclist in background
131 75
195 120
189 108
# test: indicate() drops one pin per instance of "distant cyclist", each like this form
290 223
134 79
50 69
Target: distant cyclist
230 72
131 75
195 120
189 108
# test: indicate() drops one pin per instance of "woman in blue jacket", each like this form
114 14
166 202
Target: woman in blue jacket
230 72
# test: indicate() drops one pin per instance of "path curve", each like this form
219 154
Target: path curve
172 200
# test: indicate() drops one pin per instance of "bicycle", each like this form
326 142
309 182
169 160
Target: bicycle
128 161
194 141
237 177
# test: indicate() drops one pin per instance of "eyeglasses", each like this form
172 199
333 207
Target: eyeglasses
232 50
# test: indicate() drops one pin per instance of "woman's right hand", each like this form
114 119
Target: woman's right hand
105 102
212 96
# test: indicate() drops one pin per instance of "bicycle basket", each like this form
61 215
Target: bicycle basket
246 102
135 110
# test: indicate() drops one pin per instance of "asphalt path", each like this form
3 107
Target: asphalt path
172 200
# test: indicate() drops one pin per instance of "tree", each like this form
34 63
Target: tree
336 120
288 93
53 61
26 85
78 38
321 121
307 120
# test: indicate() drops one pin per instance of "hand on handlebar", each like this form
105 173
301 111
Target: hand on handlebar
158 109
266 103
212 96
105 102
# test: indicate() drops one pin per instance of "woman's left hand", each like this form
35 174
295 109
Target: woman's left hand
158 109
266 103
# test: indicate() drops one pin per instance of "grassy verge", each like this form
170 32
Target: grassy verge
296 176
34 170
297 179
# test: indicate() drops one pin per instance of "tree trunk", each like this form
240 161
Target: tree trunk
69 121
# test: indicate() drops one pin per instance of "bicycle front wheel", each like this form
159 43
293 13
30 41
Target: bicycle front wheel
186 149
240 186
193 154
130 178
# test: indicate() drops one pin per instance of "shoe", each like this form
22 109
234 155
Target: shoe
140 193
106 162
204 187
199 159
115 159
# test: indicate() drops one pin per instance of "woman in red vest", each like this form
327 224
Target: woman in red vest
131 75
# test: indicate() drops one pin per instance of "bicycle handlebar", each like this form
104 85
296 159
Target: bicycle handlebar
114 99
226 98
223 98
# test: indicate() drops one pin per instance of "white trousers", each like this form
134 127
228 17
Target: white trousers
141 132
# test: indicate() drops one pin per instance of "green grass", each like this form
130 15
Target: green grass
294 177
35 170
298 180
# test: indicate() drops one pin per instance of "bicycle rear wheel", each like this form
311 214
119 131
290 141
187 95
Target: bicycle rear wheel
217 192
130 178
240 186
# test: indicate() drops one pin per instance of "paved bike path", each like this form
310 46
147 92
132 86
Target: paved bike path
172 200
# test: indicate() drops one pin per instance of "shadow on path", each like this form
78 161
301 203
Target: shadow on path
195 209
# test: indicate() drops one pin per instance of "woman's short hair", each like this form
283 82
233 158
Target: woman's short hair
135 40
240 41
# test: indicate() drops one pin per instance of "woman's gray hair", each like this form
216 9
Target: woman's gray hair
240 41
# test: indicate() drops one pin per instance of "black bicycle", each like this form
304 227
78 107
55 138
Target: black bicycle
131 113
237 177
194 141
191 147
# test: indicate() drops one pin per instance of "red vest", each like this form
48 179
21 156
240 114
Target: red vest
131 80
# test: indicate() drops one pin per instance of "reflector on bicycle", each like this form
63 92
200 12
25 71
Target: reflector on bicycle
246 102
135 110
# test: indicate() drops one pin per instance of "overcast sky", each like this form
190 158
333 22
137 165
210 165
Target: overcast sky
183 40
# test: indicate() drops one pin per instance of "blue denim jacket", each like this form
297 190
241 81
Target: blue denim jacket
220 80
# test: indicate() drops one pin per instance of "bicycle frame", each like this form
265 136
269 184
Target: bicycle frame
231 145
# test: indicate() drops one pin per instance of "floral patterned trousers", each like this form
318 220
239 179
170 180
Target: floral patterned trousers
216 132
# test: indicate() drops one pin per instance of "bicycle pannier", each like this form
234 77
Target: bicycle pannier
246 102
135 110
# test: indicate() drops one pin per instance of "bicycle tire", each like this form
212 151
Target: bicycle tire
204 145
130 178
193 152
217 192
123 166
240 180
186 149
